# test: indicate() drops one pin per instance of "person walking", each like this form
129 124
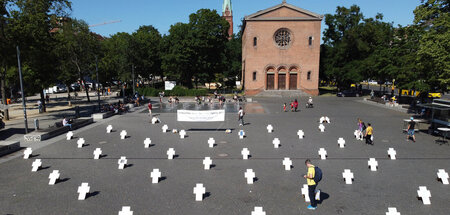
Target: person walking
150 106
241 116
295 105
360 129
369 133
411 126
312 185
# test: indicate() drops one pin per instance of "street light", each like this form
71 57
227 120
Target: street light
21 88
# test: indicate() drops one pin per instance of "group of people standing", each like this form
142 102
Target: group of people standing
365 132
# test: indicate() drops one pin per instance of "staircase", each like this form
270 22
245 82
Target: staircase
282 93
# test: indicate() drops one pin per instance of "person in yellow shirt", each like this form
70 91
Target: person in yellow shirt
369 133
311 184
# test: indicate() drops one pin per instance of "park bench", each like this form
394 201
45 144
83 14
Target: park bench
56 130
104 115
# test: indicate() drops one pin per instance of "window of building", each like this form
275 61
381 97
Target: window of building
308 77
283 38
255 41
254 76
310 39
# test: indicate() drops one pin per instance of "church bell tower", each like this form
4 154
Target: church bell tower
227 14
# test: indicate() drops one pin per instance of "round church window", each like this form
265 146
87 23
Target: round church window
283 38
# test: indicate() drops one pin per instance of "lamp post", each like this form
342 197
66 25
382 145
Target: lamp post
21 89
98 84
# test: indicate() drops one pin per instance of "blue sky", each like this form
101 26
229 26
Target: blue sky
161 14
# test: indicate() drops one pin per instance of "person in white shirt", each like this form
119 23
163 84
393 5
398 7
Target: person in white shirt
65 122
241 116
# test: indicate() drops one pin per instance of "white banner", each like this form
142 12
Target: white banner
201 116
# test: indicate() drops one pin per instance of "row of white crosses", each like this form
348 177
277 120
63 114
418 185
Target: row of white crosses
182 132
38 163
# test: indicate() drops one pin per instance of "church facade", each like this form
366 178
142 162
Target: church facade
281 50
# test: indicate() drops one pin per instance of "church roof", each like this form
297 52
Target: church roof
256 16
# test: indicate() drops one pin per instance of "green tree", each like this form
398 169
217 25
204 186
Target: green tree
145 48
195 51
31 24
76 51
433 57
115 63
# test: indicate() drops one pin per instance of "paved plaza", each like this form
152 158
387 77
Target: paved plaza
278 191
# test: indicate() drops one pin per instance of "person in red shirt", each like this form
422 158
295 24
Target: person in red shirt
295 105
292 106
150 108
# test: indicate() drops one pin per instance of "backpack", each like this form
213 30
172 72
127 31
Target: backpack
317 174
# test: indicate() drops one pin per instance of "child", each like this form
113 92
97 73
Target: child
284 107
292 106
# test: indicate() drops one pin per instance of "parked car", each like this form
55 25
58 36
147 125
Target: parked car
75 87
348 93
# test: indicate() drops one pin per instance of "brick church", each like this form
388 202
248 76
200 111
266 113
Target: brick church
280 50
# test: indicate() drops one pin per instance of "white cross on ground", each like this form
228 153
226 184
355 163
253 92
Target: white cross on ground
207 163
341 142
322 120
424 194
155 120
276 143
122 162
250 175
258 211
147 142
322 128
392 211
155 175
83 189
199 190
80 142
323 153
27 153
287 163
123 134
305 193
245 153
241 134
126 210
443 176
53 177
97 153
348 176
69 135
170 153
182 134
392 153
36 164
300 134
269 128
373 164
327 119
109 129
165 128
211 142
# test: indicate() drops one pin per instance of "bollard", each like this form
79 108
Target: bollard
36 124
77 111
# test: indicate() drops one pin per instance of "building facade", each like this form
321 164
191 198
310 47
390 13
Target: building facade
227 14
281 50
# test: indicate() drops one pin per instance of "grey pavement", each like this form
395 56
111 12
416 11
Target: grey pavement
395 184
